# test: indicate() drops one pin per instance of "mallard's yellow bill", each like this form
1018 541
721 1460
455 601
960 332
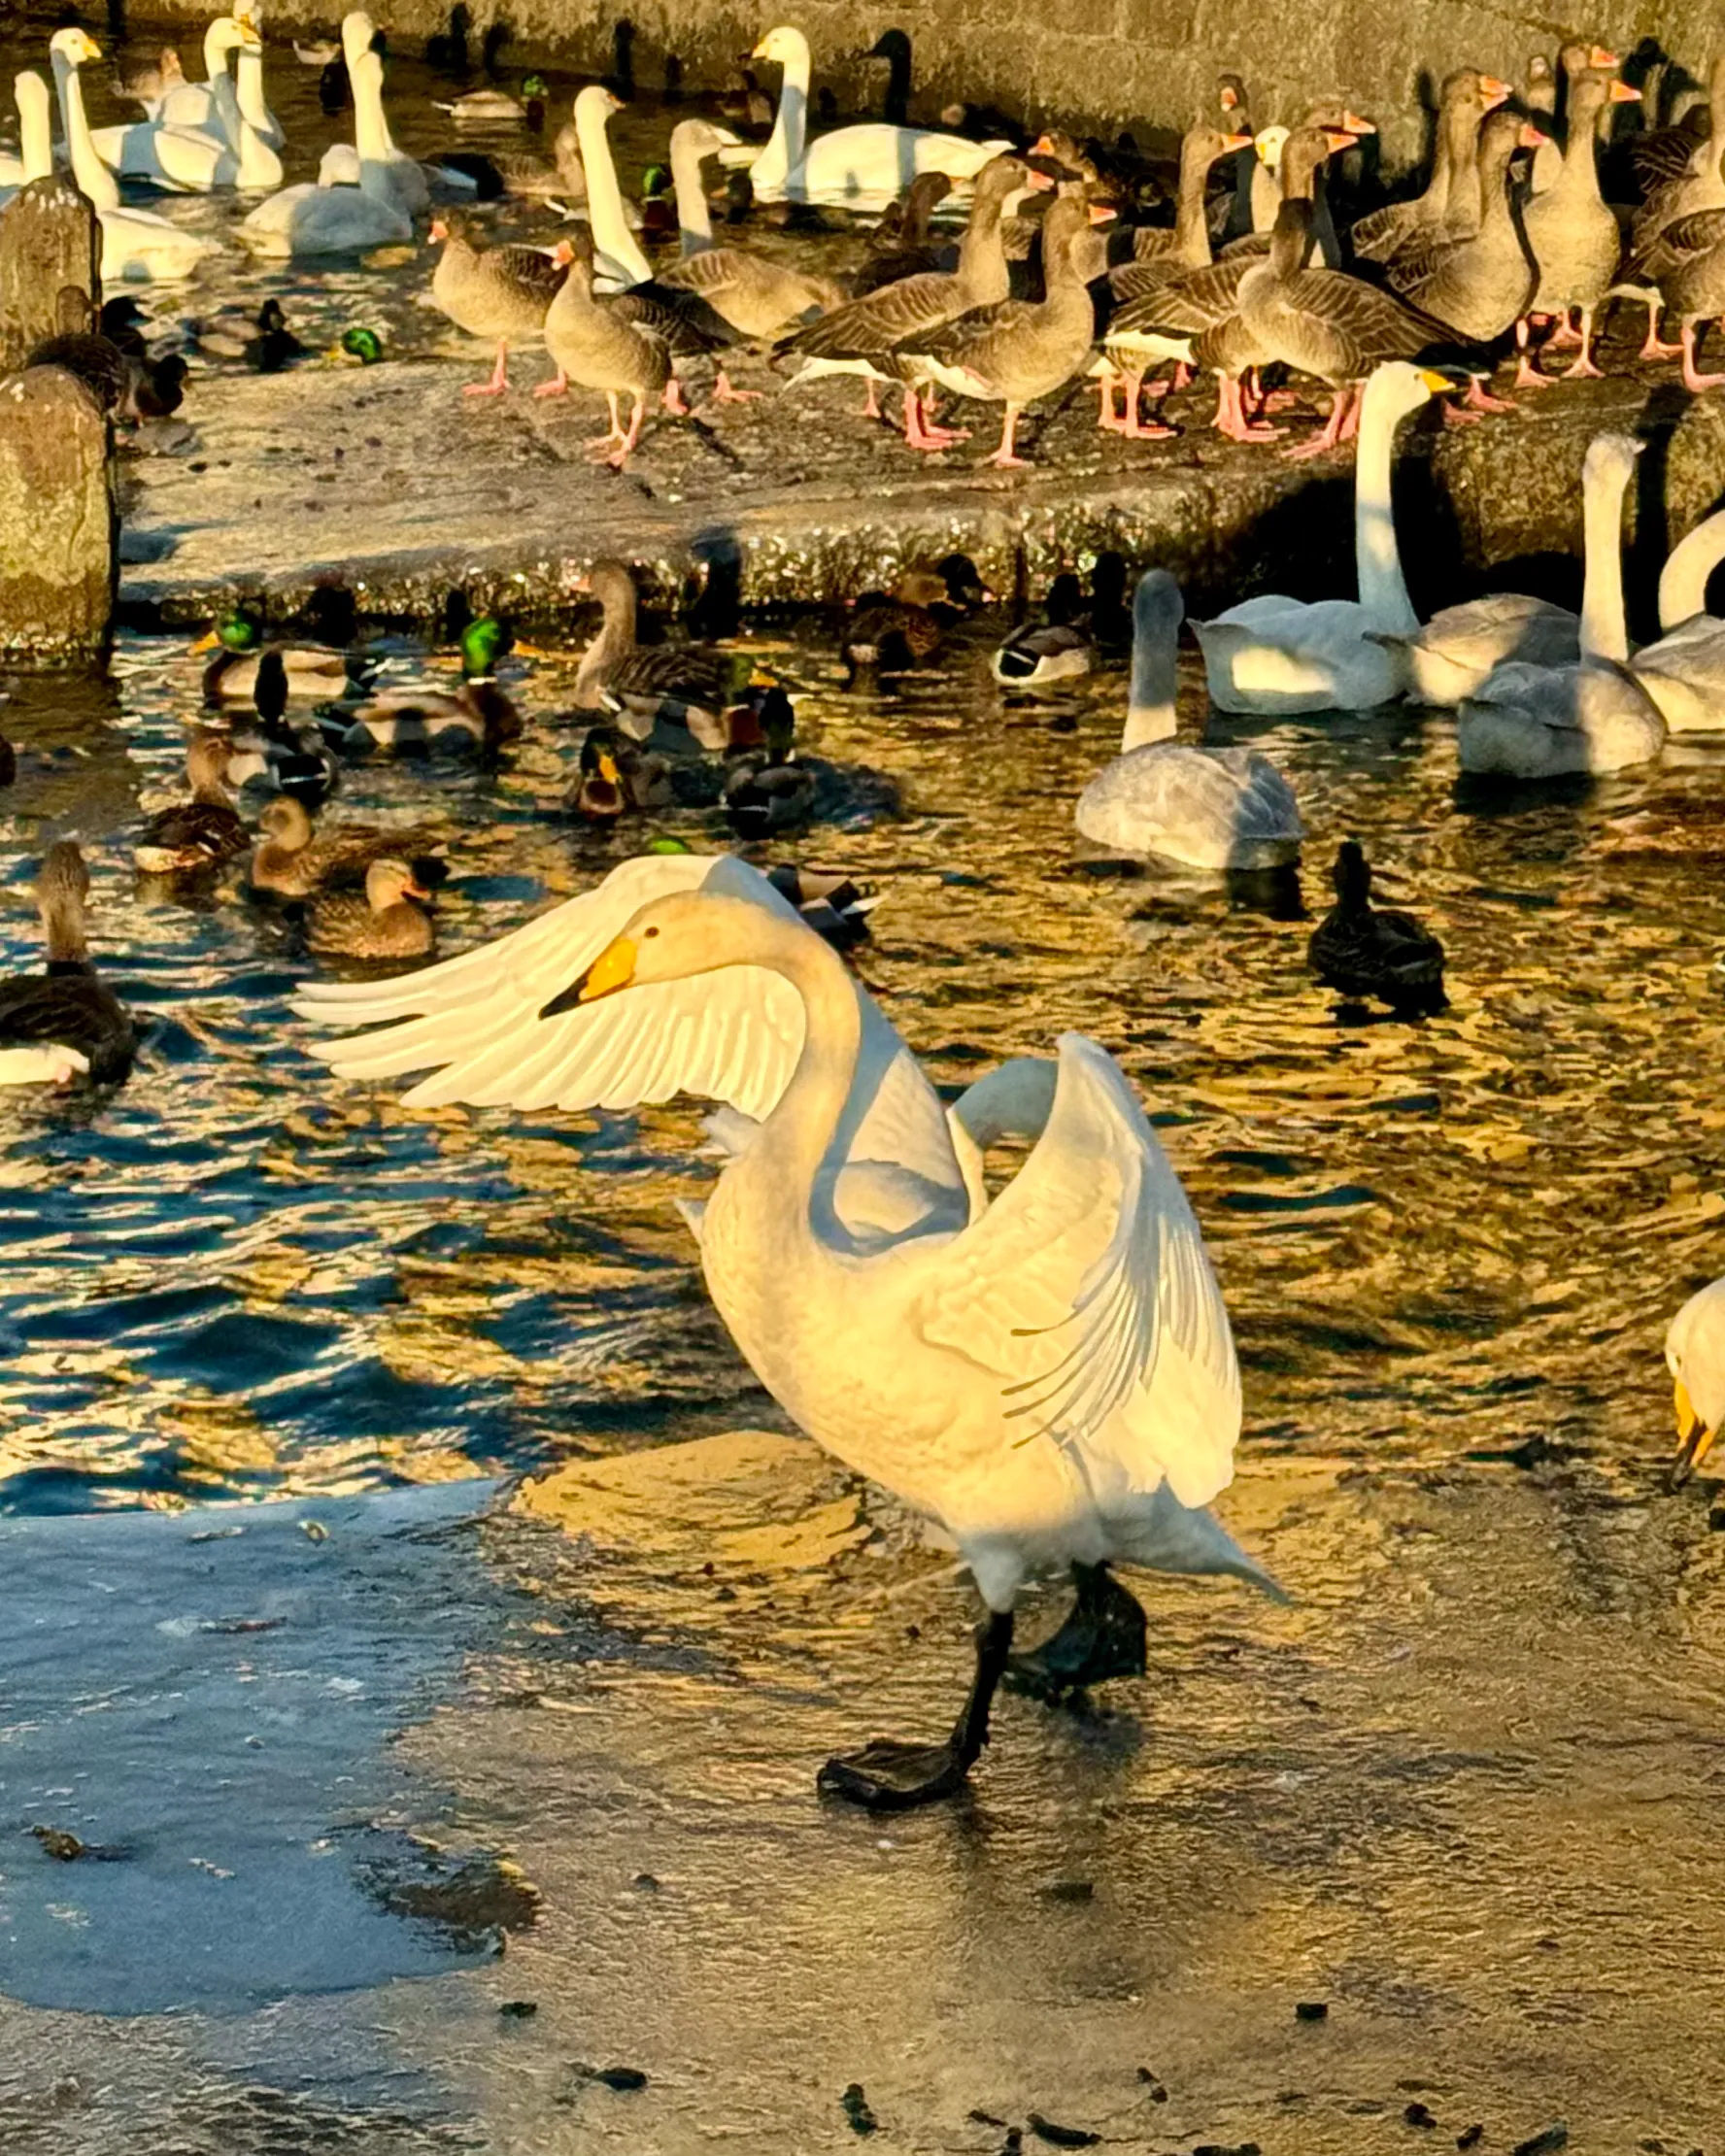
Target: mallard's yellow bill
206 643
1695 1440
608 768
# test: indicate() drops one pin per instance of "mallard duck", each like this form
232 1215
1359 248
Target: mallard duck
7 761
771 791
618 776
360 344
385 922
66 1007
1058 648
311 673
202 833
413 715
834 905
286 758
1695 1355
294 860
687 685
1366 950
891 630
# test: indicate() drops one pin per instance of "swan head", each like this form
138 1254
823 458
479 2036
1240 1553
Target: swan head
1269 143
597 100
1695 1355
674 938
74 47
1610 458
1399 387
784 44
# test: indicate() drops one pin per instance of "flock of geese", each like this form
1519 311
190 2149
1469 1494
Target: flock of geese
1047 1372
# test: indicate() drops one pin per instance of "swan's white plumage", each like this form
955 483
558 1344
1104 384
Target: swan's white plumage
1051 1375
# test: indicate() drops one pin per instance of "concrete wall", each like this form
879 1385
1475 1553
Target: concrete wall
1148 64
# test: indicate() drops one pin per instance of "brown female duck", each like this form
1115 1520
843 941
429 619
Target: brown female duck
384 923
67 1006
202 833
294 860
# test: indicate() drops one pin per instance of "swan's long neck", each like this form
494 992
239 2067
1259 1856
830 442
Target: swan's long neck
371 131
788 140
616 250
1683 581
35 127
694 220
1150 704
216 52
253 105
1604 634
816 1116
92 175
1377 563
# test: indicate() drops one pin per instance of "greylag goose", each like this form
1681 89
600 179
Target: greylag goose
1325 324
1374 952
1692 284
1332 118
1187 241
384 923
1574 237
67 1006
752 294
1482 286
1557 721
1018 350
1538 100
1662 242
501 293
593 343
1576 59
202 833
641 684
1451 192
868 336
1208 808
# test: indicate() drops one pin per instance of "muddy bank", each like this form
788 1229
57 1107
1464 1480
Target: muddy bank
387 483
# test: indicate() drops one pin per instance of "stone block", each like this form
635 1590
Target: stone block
58 531
50 236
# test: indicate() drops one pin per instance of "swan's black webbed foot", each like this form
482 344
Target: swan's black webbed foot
1103 1637
888 1776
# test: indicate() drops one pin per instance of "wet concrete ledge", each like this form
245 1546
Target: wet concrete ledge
387 483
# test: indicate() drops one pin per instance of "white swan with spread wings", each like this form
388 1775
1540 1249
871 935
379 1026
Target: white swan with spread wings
1050 1375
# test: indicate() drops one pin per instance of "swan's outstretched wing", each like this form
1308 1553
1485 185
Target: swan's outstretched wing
473 1021
732 1035
1084 1288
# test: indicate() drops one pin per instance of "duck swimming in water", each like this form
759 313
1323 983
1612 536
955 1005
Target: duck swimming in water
1366 950
67 1007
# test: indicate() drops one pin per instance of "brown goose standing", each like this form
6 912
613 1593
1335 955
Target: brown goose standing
1463 101
592 343
1325 324
1693 286
1538 100
1018 350
867 336
1186 242
1574 235
756 296
1576 59
1180 307
1478 287
501 293
1698 186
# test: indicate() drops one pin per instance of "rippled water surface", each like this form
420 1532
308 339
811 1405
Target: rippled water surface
239 1276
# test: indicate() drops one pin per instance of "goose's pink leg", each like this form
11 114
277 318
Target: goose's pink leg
1527 375
1582 369
1653 345
616 435
1321 444
499 381
723 393
1692 381
1006 458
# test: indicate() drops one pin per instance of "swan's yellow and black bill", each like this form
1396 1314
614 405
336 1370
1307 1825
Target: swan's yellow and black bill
613 969
1695 1440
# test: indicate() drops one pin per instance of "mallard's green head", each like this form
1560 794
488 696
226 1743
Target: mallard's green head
482 643
536 85
239 630
364 345
668 846
655 183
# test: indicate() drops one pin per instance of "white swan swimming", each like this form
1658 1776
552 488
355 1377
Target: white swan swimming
863 167
1695 1355
408 178
314 219
1684 671
233 63
35 158
1554 721
187 160
138 247
1054 1381
1278 656
1210 808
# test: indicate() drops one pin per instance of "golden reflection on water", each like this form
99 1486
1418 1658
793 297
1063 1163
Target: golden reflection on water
1442 1238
